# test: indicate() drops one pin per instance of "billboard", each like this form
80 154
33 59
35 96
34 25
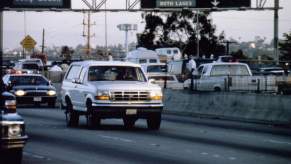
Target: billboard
148 4
35 3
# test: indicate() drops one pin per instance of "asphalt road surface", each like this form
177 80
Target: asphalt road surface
180 140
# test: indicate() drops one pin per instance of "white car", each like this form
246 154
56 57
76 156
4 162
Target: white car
163 79
110 89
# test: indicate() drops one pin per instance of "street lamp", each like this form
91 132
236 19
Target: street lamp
126 28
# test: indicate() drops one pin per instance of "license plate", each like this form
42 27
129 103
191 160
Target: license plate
37 99
131 111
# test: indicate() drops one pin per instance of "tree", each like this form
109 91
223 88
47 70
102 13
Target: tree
285 47
179 29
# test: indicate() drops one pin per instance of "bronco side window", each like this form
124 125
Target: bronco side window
73 72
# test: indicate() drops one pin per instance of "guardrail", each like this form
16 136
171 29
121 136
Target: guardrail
258 84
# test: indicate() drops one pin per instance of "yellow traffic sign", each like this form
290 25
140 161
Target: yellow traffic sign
28 43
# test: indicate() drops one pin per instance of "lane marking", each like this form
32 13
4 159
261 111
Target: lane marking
204 153
278 142
232 158
117 139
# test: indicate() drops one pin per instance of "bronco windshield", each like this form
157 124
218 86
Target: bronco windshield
115 73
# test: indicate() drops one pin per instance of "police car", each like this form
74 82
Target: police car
31 89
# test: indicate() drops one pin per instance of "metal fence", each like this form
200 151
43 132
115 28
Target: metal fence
257 84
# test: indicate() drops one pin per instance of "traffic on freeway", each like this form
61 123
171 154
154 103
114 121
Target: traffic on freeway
178 87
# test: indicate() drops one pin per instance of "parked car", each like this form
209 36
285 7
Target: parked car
154 68
169 53
31 89
275 71
171 80
110 89
220 76
12 130
34 65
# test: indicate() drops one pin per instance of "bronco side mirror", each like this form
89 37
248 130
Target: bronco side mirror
153 81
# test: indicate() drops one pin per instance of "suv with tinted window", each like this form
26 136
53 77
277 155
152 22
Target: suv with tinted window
110 90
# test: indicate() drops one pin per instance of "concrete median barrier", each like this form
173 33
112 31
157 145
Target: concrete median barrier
264 108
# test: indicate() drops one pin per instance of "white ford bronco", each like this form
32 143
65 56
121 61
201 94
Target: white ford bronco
110 89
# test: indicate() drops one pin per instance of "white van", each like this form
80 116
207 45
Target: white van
143 56
168 54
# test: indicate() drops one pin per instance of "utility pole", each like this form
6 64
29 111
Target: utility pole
43 38
276 31
198 34
87 33
1 46
106 33
227 46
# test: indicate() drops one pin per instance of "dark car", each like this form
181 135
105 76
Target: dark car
12 130
31 89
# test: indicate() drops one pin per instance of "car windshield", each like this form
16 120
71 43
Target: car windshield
156 68
28 80
112 73
30 66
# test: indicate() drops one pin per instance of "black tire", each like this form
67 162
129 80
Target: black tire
129 122
11 156
72 117
93 121
154 121
52 104
217 89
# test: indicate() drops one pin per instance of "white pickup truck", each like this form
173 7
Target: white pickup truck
110 89
220 76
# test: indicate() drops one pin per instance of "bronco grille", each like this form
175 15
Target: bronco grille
129 96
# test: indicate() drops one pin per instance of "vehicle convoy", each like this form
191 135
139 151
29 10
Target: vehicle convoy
221 76
112 89
31 89
12 130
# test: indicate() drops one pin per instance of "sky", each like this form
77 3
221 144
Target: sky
65 28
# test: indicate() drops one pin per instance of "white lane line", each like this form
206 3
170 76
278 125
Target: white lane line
204 153
117 139
232 158
278 142
216 155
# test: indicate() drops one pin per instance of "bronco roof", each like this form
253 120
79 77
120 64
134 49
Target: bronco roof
105 63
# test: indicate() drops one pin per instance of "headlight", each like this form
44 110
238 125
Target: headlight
51 93
20 93
14 130
102 95
10 105
156 95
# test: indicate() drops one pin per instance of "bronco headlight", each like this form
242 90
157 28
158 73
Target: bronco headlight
156 95
20 93
102 95
51 93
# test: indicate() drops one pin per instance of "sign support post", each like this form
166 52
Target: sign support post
1 45
276 31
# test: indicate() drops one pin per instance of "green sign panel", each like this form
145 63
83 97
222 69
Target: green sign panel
175 3
35 3
38 3
148 4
